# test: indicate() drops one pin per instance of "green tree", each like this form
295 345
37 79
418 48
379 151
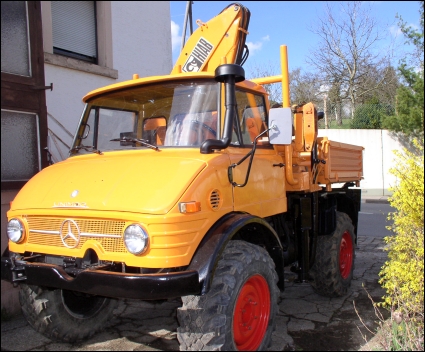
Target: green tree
409 114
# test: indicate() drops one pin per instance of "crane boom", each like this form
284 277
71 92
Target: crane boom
221 37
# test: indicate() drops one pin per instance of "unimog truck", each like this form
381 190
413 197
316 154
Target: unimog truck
187 185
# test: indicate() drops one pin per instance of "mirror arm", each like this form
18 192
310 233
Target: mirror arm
251 154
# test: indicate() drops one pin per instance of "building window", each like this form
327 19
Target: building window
20 155
15 51
74 29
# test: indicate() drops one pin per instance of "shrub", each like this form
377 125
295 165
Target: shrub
402 276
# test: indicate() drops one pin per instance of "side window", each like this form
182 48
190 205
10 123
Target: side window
105 124
252 119
74 29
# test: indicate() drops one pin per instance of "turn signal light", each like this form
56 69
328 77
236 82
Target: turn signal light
189 207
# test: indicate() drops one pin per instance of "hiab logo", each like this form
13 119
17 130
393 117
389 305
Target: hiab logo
198 56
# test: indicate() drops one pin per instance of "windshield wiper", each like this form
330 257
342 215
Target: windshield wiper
86 148
135 140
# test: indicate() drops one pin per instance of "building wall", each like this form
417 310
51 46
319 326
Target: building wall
145 48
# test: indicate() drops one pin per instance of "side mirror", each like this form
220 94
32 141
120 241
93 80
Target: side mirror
280 125
229 74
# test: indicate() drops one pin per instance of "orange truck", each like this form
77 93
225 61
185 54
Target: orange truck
187 185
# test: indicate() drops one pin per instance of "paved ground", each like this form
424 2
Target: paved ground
306 320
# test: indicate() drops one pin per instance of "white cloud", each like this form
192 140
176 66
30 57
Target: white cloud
257 46
176 38
395 31
253 47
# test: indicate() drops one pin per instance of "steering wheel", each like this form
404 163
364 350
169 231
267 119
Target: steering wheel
204 127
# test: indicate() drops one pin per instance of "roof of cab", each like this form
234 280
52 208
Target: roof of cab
153 79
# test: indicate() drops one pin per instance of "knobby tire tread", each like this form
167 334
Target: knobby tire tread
205 321
327 278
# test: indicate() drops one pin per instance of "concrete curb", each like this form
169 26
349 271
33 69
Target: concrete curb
383 200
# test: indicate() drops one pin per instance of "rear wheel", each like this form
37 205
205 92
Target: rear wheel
238 312
334 264
64 315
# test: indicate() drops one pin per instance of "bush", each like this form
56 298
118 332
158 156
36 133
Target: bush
402 276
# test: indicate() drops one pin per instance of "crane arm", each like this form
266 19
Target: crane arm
221 37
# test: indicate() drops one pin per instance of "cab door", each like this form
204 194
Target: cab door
264 193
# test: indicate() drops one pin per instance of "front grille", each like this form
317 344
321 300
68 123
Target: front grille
46 231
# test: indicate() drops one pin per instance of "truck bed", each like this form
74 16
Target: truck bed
344 162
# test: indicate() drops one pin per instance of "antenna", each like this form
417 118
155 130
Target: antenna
187 16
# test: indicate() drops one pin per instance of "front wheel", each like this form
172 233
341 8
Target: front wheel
334 264
64 315
238 313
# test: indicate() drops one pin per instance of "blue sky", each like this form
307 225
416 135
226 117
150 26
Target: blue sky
274 23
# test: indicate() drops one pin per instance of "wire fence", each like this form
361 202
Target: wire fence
365 116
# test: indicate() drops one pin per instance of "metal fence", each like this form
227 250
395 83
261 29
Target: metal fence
365 116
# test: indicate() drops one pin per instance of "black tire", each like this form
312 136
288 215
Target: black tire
244 277
334 264
63 315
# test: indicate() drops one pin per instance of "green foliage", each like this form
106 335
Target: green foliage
402 276
409 117
409 114
404 336
370 116
414 36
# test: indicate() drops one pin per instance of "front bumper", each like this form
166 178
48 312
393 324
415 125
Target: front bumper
102 282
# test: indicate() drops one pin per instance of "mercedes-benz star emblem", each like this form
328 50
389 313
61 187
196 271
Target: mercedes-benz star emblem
70 233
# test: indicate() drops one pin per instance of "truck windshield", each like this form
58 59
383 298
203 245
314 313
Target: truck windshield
165 114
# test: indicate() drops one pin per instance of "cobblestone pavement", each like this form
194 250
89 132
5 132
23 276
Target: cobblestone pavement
306 321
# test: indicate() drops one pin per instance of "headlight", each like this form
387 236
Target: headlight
136 239
15 230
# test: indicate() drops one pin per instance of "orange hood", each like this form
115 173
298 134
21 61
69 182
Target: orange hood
137 181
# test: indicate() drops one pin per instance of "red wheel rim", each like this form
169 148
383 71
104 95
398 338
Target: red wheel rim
346 255
252 314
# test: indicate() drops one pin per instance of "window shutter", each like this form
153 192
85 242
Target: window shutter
74 27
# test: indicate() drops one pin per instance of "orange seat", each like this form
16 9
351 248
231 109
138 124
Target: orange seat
160 135
154 129
255 126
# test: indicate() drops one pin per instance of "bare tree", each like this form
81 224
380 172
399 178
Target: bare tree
347 50
388 84
274 90
304 87
335 101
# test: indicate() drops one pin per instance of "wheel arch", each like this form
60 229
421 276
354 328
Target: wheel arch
235 226
344 200
349 203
